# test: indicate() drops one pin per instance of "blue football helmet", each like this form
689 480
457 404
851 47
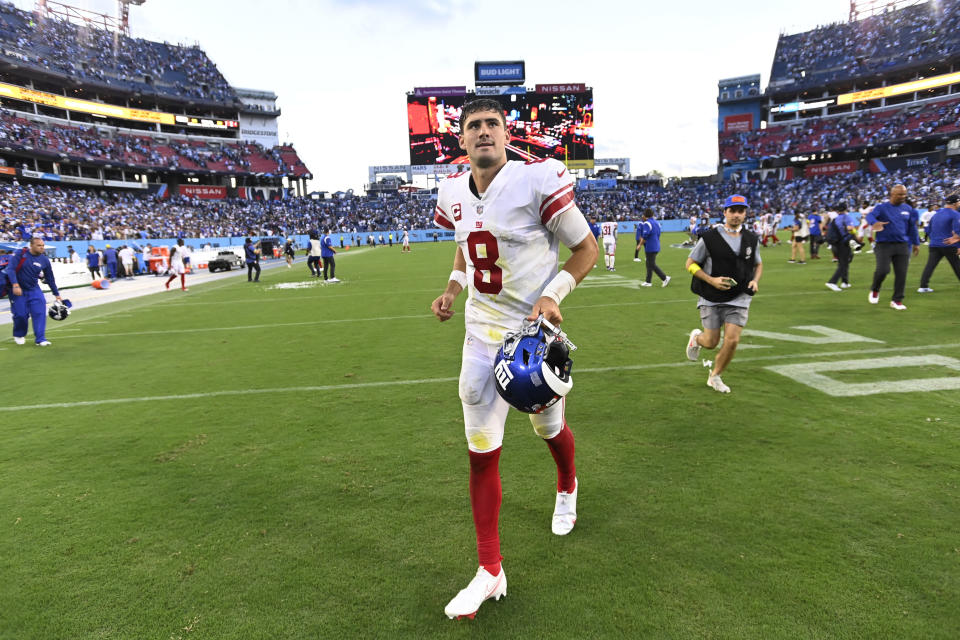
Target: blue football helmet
59 310
532 368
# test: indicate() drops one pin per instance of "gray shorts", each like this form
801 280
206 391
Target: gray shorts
714 317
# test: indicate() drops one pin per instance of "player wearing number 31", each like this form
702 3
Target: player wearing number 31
508 219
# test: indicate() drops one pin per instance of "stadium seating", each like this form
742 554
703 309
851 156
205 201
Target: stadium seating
143 151
912 35
908 122
59 213
85 55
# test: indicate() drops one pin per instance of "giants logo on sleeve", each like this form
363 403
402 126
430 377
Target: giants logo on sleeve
456 210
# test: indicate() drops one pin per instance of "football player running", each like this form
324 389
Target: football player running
608 231
508 219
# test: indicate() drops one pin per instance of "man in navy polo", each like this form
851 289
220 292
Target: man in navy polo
944 233
649 232
326 254
252 253
814 220
895 222
26 299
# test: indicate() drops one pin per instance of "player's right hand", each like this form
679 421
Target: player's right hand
879 225
442 307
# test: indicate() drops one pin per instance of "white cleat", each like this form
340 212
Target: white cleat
845 285
833 287
924 290
693 347
637 260
874 297
715 383
666 281
334 280
899 306
565 511
483 587
645 284
19 340
46 343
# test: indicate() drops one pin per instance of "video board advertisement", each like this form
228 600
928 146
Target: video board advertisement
542 125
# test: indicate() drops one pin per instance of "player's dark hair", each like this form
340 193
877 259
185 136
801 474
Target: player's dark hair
648 213
481 104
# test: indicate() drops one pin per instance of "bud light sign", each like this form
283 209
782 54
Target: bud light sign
487 73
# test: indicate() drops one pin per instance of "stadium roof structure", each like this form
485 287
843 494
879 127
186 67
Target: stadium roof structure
87 17
865 8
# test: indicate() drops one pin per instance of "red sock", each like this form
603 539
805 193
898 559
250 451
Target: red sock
562 448
486 495
183 281
172 278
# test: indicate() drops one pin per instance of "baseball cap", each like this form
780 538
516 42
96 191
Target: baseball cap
735 201
953 198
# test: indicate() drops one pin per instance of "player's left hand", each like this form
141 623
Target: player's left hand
753 286
916 250
549 308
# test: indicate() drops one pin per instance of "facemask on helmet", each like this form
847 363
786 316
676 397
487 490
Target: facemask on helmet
532 368
59 310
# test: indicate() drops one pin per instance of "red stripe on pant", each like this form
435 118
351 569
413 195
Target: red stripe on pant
562 449
486 494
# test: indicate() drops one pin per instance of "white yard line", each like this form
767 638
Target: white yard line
397 383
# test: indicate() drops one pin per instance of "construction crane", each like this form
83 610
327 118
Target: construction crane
119 24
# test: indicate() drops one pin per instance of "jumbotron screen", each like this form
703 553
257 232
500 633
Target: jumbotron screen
542 125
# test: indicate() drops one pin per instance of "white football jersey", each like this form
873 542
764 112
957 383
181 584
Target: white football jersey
176 257
608 231
507 237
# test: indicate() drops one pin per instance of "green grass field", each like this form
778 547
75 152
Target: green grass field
242 461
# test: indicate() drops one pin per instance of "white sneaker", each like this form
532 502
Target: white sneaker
899 306
714 382
645 284
334 280
19 340
46 343
483 587
693 347
874 297
833 287
565 511
666 281
924 290
637 260
845 285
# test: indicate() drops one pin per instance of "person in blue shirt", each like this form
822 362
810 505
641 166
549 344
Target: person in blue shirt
326 254
895 222
26 299
944 233
595 230
844 228
110 257
649 232
252 253
93 263
816 235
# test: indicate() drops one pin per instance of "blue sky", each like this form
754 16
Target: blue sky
342 69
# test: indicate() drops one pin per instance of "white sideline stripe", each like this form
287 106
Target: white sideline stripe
249 326
398 383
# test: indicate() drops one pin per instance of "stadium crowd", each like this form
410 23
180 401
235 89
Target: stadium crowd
845 132
88 144
914 34
86 54
58 213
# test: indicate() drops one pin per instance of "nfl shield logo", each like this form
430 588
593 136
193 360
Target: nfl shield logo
479 209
